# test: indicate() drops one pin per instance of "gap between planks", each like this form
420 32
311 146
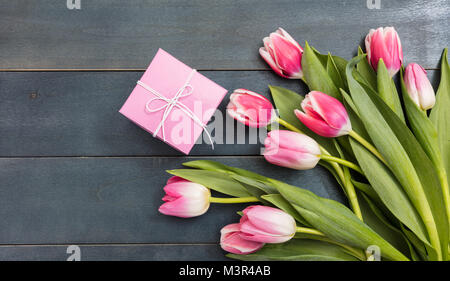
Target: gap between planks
116 69
128 69
133 156
108 244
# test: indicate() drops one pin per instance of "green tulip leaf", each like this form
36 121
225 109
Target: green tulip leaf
315 74
422 127
376 220
366 71
219 167
335 220
298 250
427 136
440 114
367 189
389 190
217 181
406 159
423 165
341 64
387 90
268 194
260 185
278 201
335 74
338 63
286 101
323 59
414 241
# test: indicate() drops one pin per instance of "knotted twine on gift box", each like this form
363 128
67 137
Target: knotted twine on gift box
173 102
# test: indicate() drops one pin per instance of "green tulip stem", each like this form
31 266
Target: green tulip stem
306 230
348 186
423 207
288 125
233 200
367 145
442 174
317 235
343 162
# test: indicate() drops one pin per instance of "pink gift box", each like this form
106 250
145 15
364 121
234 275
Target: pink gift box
174 101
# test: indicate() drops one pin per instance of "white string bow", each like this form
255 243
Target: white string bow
171 103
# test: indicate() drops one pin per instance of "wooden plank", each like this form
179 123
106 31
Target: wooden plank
205 34
128 252
115 200
76 113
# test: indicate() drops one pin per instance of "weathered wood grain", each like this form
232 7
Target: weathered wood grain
128 252
109 205
116 200
206 34
76 114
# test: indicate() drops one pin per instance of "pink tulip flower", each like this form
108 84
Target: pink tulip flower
419 87
283 54
384 43
266 225
231 241
324 115
184 199
291 150
251 108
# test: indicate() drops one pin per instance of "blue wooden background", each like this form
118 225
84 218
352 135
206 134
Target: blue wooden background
74 171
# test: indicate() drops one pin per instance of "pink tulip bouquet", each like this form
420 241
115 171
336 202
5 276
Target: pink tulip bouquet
389 153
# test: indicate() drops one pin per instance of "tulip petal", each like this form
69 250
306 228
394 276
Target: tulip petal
317 126
229 228
184 198
168 198
309 109
270 220
293 141
289 37
251 108
287 55
367 42
384 43
331 110
231 241
235 244
285 158
269 47
268 58
292 150
419 87
264 238
186 189
249 232
410 84
185 207
394 47
427 97
378 49
175 179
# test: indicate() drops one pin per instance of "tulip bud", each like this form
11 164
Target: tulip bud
384 43
291 150
324 115
231 241
283 54
251 108
267 225
184 199
419 87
